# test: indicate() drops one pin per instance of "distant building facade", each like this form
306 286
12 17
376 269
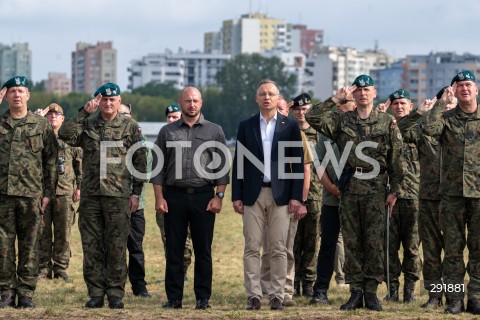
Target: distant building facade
92 66
15 60
58 83
180 69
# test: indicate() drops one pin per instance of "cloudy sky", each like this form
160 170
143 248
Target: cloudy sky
138 27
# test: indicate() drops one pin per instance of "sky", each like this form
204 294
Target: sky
53 27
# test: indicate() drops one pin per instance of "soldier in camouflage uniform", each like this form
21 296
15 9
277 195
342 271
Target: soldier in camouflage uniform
362 204
404 218
28 153
430 231
108 194
306 244
458 131
54 254
173 113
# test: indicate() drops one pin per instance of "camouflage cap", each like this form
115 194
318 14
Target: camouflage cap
18 81
301 100
109 89
363 81
399 94
465 75
53 107
174 107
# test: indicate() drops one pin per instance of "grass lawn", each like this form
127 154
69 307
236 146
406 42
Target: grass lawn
56 299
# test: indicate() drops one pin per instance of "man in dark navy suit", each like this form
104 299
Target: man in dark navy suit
267 187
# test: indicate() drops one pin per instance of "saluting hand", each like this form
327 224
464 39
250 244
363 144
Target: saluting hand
383 107
3 92
92 105
426 106
42 112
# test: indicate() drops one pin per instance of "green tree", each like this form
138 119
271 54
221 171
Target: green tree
239 79
165 90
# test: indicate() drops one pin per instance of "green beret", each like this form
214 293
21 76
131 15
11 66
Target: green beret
363 81
301 100
109 89
174 107
18 81
465 75
400 94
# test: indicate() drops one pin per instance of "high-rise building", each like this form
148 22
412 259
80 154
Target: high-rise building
301 39
92 66
181 69
15 60
58 83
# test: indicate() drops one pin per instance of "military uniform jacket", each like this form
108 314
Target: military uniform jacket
428 153
411 167
459 136
88 133
28 153
380 128
72 178
315 191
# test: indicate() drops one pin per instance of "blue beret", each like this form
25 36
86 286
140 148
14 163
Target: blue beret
363 81
465 75
18 81
109 89
174 107
301 100
400 94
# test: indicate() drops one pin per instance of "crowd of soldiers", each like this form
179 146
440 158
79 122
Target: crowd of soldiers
374 179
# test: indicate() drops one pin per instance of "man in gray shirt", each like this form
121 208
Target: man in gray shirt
184 192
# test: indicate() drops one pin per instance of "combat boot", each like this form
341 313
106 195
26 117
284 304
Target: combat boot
354 302
371 301
408 292
393 293
7 300
455 306
433 302
320 296
307 289
473 306
25 302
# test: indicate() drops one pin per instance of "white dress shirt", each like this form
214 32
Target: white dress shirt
267 129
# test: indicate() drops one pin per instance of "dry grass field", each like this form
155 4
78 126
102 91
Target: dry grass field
56 299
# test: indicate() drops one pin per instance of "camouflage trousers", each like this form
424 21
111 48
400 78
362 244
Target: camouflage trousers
431 236
19 219
306 245
187 253
54 252
104 224
404 231
455 214
362 221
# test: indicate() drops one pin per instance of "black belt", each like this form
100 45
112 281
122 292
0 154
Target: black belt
266 184
190 190
362 170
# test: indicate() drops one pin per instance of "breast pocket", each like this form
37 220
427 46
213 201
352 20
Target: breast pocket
91 140
35 139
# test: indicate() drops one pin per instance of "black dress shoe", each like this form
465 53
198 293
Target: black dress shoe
473 306
142 293
202 304
7 300
455 306
433 302
115 302
371 301
320 296
173 304
25 302
276 304
254 304
354 302
94 302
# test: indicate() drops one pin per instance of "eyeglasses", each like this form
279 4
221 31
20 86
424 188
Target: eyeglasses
54 114
123 113
349 100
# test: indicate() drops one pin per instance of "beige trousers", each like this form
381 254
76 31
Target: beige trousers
265 222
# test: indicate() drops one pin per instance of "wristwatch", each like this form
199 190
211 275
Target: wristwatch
305 202
135 195
220 195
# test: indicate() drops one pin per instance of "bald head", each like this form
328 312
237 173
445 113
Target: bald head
191 102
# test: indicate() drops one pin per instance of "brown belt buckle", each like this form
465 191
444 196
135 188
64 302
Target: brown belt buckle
190 190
